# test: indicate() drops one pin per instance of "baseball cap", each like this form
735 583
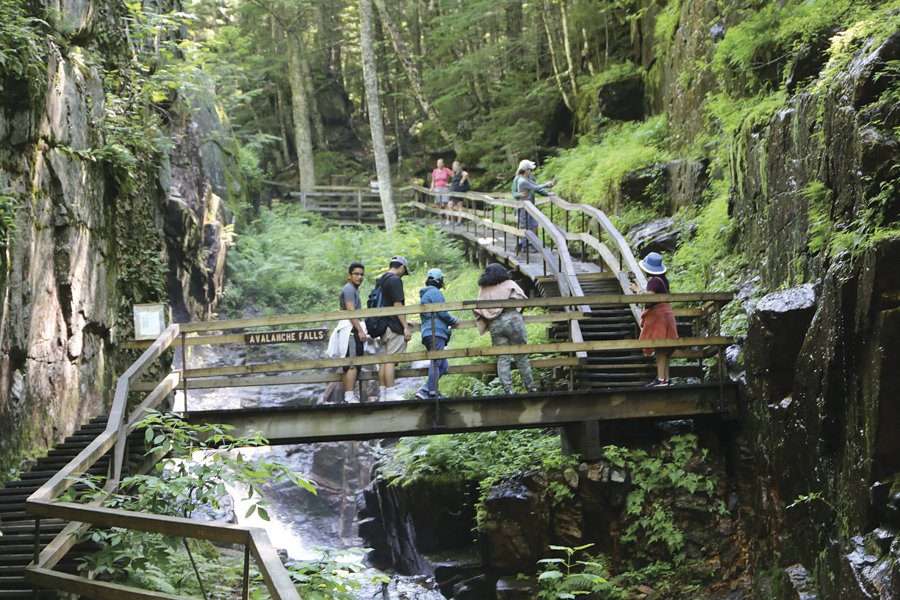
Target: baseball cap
526 165
435 274
401 260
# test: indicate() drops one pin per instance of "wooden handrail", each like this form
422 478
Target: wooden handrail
391 311
606 255
471 352
42 501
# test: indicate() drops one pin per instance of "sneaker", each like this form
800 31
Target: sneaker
351 397
382 394
423 394
533 389
658 383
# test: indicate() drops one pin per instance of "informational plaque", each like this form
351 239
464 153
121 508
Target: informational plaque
293 336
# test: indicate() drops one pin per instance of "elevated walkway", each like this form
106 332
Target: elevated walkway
596 360
376 420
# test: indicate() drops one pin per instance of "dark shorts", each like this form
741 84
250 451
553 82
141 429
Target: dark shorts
354 348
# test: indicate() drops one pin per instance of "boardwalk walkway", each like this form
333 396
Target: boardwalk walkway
579 269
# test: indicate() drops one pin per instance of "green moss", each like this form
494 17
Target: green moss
23 50
591 172
773 34
665 26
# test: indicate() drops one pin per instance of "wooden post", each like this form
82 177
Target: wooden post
359 213
245 595
184 377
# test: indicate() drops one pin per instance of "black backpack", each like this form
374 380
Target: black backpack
376 326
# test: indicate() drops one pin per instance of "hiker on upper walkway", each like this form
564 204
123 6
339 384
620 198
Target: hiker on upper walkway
435 331
392 332
459 183
658 319
524 187
440 182
506 325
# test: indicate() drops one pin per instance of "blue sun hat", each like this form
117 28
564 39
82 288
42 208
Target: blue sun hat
653 264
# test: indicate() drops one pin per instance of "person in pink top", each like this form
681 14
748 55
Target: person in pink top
440 183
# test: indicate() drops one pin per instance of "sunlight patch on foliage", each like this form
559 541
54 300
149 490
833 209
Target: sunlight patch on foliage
592 171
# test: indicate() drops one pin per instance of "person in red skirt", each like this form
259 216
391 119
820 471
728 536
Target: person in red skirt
658 319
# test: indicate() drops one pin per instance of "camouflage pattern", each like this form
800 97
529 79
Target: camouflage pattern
509 329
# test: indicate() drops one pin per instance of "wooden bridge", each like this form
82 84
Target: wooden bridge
601 369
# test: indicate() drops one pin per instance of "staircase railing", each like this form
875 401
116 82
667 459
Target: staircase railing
44 502
562 267
619 259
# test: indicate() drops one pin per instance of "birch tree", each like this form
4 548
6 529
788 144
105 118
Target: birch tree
376 123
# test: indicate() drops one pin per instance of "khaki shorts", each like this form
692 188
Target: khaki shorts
392 343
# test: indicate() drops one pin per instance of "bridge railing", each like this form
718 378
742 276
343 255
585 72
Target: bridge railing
343 203
316 370
45 503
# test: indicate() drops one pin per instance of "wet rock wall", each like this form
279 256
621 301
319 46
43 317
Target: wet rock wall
79 248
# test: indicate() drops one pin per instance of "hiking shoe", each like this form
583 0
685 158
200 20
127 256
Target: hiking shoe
658 383
423 394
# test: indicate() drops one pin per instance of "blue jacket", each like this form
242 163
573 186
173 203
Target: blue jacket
442 320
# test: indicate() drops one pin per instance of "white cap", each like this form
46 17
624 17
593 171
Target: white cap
526 165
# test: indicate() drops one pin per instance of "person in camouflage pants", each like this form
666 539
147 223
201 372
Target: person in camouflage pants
506 330
506 325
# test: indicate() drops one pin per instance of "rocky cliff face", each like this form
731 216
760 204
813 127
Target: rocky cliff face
819 469
82 240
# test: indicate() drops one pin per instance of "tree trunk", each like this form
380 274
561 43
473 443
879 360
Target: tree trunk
314 113
556 73
564 17
412 72
376 124
300 105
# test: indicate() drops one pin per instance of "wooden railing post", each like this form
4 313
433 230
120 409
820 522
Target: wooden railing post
359 213
245 595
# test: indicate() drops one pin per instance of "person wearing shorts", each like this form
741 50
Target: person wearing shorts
440 184
398 332
349 300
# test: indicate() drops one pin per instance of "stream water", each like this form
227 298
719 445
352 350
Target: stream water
303 525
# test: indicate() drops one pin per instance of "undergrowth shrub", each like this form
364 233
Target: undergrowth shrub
657 479
592 171
291 261
772 35
486 457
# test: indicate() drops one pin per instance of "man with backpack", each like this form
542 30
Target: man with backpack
392 332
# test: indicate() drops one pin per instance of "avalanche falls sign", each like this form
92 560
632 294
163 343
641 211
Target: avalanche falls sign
286 337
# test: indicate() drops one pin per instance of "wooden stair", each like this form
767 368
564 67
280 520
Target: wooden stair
18 527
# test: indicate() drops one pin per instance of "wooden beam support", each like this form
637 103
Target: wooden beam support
294 425
91 588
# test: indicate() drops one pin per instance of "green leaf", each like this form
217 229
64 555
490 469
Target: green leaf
549 575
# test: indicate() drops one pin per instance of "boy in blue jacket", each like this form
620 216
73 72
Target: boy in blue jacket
435 331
